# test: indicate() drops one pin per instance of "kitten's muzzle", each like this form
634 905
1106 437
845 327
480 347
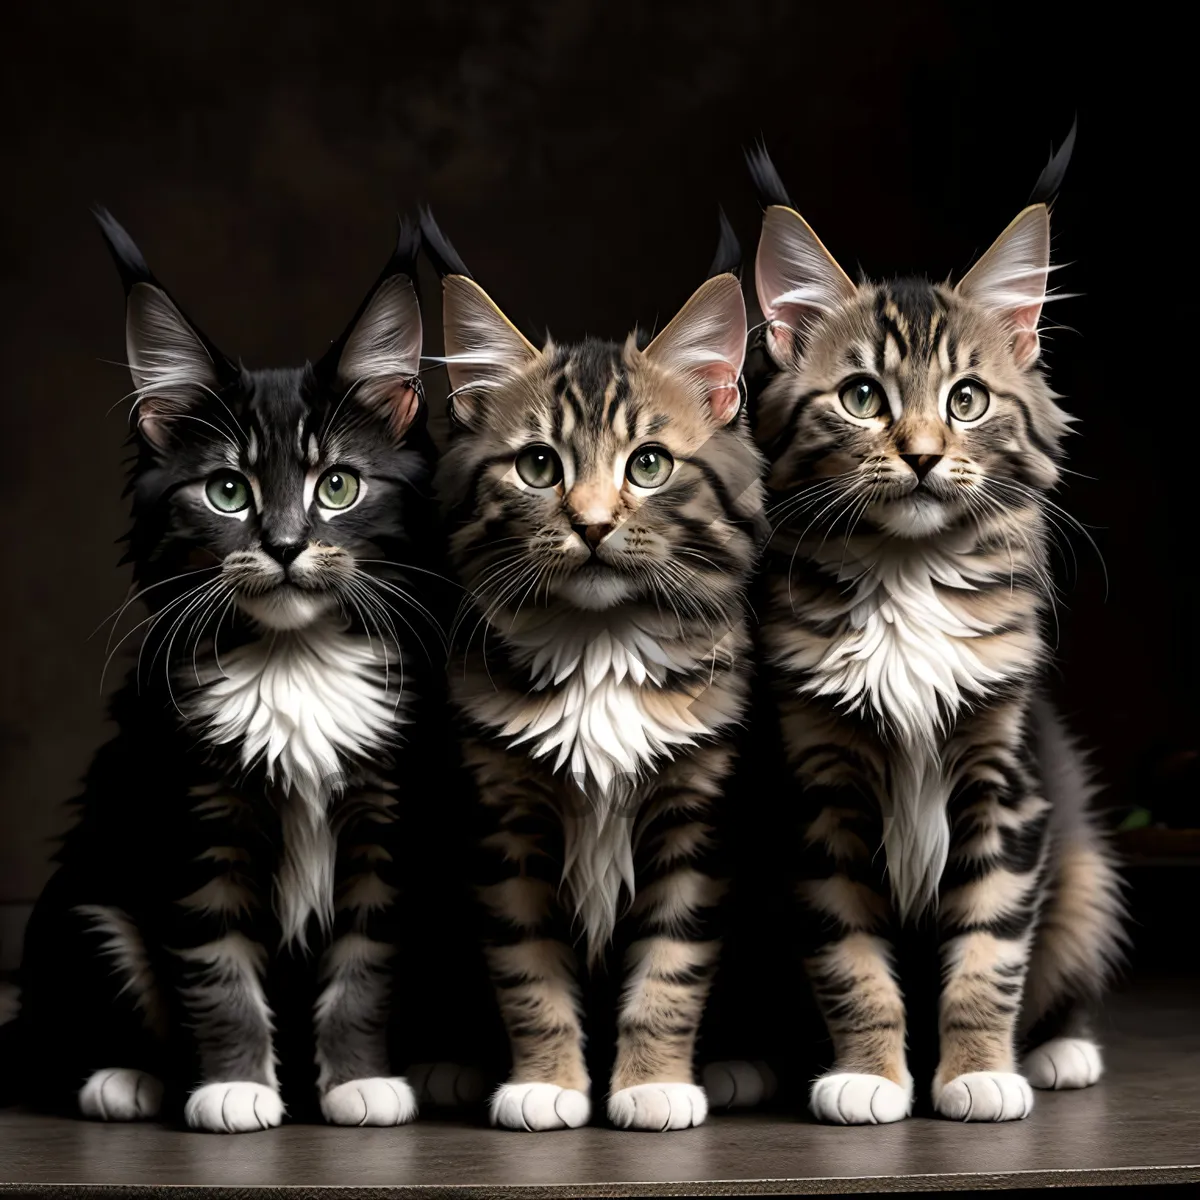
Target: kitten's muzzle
921 464
593 535
285 552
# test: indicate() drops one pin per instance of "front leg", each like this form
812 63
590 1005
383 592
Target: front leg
529 956
220 976
990 897
670 966
355 1079
846 916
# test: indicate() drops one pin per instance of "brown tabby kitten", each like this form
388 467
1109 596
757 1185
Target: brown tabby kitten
913 439
605 505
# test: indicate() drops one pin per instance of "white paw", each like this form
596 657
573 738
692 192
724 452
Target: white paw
844 1098
985 1096
370 1102
658 1106
538 1106
446 1085
233 1108
1064 1063
121 1094
738 1084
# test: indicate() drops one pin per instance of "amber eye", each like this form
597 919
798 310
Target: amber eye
649 467
539 466
863 398
968 400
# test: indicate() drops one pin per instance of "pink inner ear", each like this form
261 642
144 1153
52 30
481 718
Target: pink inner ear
723 395
1025 344
403 400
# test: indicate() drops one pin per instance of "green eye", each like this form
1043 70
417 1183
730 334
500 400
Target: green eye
338 488
539 466
227 491
968 400
863 398
649 467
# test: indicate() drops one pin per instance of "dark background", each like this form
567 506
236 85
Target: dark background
576 151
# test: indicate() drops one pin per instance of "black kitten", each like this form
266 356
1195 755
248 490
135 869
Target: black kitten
251 798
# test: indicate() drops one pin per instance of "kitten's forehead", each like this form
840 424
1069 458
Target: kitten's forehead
281 413
603 395
910 329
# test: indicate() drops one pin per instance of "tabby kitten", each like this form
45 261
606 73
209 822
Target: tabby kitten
245 816
913 440
604 504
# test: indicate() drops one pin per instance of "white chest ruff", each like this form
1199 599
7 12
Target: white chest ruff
906 657
303 705
597 713
595 706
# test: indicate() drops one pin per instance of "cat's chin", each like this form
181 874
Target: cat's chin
914 516
595 590
287 608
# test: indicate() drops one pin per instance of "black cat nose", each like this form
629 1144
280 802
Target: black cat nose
922 464
285 552
593 535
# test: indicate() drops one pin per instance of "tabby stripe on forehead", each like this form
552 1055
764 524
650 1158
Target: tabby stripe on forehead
935 337
614 395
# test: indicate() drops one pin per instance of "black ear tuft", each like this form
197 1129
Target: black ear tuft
766 179
408 247
1050 180
441 253
402 262
130 263
728 258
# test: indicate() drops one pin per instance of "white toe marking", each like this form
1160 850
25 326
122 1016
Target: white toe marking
1064 1063
985 1096
658 1106
534 1107
374 1101
846 1098
121 1094
235 1107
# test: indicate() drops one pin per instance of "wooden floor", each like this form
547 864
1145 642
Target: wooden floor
1141 1124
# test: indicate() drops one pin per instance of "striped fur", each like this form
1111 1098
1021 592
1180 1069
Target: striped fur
601 666
909 590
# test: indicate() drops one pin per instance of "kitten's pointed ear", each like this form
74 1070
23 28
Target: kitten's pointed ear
1010 280
174 366
706 341
483 347
379 355
798 281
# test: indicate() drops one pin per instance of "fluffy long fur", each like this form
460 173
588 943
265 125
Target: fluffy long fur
909 589
248 811
599 690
